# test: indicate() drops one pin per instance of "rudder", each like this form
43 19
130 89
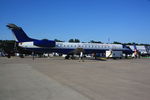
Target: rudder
19 33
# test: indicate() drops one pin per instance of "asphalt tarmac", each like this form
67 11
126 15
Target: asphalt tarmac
59 79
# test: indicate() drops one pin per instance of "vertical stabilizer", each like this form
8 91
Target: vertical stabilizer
19 34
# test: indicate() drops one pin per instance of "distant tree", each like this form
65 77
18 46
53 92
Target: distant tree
8 46
115 42
1 44
128 43
144 44
131 43
92 41
74 40
71 40
56 40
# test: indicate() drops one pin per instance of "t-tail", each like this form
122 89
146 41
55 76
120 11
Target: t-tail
19 34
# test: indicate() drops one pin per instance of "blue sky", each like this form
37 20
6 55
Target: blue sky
119 20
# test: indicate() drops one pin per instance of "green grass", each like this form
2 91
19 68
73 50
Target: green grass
145 57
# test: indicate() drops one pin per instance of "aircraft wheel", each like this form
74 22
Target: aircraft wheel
67 57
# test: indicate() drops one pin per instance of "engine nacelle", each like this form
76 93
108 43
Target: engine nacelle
45 43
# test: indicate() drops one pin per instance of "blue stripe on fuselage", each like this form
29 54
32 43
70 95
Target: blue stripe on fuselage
69 50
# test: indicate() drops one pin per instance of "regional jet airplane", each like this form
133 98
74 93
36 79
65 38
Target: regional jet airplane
48 46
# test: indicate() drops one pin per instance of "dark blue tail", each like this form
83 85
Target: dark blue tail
20 35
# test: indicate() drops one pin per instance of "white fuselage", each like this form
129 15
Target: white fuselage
67 45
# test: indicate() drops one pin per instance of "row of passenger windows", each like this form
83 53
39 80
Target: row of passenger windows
84 46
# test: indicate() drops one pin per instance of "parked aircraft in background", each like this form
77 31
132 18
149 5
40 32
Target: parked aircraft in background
48 46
